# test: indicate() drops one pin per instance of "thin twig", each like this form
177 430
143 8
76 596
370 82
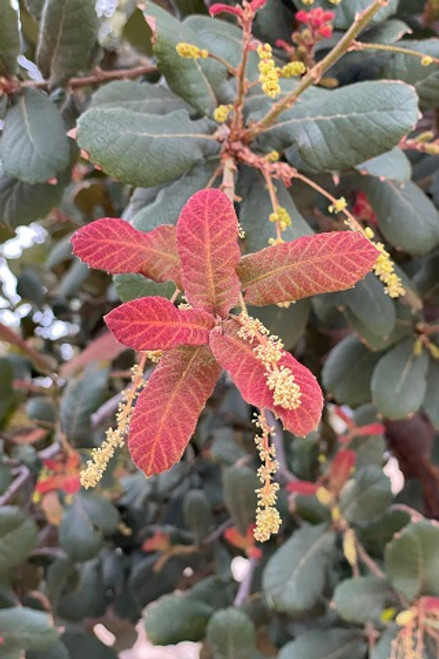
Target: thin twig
97 77
23 477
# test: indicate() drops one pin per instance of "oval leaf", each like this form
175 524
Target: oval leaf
9 38
307 266
207 242
167 411
231 633
153 323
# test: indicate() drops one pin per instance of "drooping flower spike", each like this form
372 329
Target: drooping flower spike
201 254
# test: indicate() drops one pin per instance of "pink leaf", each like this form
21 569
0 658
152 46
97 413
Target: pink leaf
306 488
167 411
153 323
207 235
307 266
115 246
248 373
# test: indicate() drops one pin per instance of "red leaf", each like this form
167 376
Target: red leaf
207 242
153 323
341 469
307 266
104 348
248 373
167 411
115 246
302 487
159 542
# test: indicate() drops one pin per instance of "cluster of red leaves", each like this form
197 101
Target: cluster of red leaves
61 475
339 472
318 21
245 542
247 10
201 255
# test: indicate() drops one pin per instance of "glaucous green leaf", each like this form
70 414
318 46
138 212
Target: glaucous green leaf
412 560
431 400
56 651
375 534
294 577
131 287
348 371
356 123
10 46
231 633
88 598
399 381
318 644
142 97
406 216
368 302
26 629
366 495
239 485
82 397
402 328
288 324
67 36
34 146
393 166
176 618
144 149
197 512
18 535
362 599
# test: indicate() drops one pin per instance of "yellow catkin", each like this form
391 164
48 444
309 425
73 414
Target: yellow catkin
405 617
189 51
268 74
268 520
427 60
221 113
281 217
349 547
293 69
338 206
114 437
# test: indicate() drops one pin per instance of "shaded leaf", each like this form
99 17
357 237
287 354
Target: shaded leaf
34 145
348 370
366 495
144 149
67 35
115 246
153 323
197 512
131 287
82 644
288 324
375 534
176 618
146 584
142 97
399 381
88 598
362 599
294 577
310 265
412 560
178 390
240 484
406 216
368 302
249 374
18 535
231 634
330 644
26 629
10 46
356 123
431 400
207 233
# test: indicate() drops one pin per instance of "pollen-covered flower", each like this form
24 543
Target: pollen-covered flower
189 51
293 69
338 206
268 75
221 113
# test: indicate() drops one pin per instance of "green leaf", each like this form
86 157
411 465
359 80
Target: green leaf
374 309
356 123
35 8
407 218
294 577
176 618
144 149
332 644
21 203
345 12
84 525
10 46
375 535
288 324
399 381
362 599
255 209
240 485
403 327
393 166
197 514
26 629
131 287
34 146
81 644
412 560
67 36
383 649
366 495
82 397
409 69
231 634
18 535
88 599
142 97
348 371
431 400
146 584
56 651
8 398
193 80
